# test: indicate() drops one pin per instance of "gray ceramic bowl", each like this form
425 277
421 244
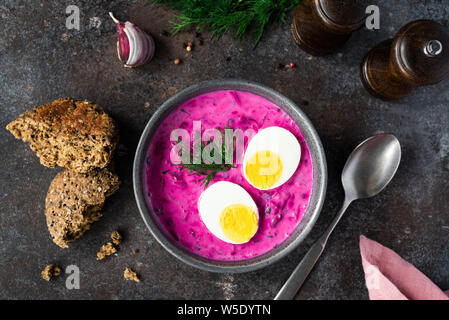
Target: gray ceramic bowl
316 199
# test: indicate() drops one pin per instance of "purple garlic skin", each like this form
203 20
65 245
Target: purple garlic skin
134 46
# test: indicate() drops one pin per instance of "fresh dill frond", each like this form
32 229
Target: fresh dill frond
208 171
220 16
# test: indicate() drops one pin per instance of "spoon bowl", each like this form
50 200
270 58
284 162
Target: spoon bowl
371 166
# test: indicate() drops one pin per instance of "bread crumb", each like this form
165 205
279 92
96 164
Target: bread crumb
106 250
50 271
116 237
135 251
130 275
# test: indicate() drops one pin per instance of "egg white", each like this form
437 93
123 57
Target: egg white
280 141
215 199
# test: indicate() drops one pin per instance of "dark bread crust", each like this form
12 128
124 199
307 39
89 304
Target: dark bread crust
74 134
74 201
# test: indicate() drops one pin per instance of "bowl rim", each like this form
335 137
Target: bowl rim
313 142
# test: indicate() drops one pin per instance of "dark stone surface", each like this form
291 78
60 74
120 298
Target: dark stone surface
40 60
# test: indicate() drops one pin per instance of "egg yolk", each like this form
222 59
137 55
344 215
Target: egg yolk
238 223
263 169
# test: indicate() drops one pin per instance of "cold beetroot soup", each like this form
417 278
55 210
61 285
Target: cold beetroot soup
174 192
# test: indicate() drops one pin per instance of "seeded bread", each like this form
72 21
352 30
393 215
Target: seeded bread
74 134
74 201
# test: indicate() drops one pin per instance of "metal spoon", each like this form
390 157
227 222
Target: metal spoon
368 170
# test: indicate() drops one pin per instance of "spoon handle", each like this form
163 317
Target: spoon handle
299 275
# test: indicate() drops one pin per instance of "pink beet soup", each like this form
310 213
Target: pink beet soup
174 193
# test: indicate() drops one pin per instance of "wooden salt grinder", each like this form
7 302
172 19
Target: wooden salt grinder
322 26
417 56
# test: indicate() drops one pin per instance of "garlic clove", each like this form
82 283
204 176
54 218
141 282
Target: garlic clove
148 47
134 47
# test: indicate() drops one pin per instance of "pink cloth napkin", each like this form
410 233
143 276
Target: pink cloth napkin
389 277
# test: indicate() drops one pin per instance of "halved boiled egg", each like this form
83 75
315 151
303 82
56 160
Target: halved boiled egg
271 158
229 212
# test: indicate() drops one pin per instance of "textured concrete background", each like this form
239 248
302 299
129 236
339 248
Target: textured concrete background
40 60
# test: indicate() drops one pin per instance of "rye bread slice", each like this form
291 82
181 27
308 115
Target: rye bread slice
74 134
74 201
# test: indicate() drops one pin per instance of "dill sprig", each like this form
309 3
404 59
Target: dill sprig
206 171
220 16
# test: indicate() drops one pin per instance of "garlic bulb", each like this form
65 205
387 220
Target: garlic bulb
134 46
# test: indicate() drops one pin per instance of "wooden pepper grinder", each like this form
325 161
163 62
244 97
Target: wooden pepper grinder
417 56
322 26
